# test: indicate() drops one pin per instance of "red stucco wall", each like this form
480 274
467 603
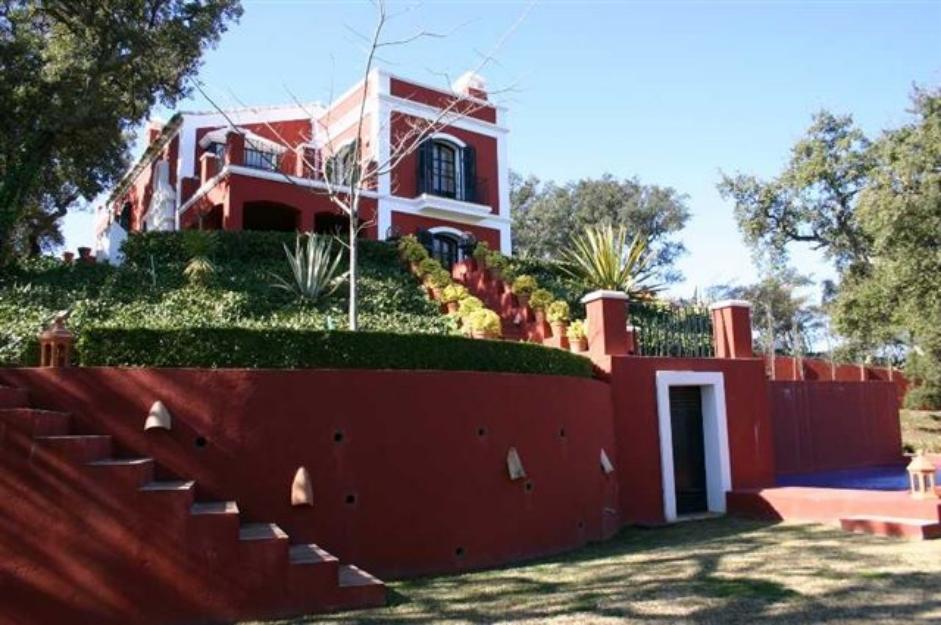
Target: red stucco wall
422 454
440 99
633 384
822 426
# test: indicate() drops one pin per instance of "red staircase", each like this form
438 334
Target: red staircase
79 514
518 322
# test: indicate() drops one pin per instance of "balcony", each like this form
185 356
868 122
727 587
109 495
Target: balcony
473 191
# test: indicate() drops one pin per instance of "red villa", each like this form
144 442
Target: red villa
201 172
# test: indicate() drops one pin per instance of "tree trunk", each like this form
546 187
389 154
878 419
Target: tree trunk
354 271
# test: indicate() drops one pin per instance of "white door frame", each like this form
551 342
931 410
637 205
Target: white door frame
715 437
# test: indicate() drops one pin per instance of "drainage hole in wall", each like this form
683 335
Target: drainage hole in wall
481 432
581 525
200 441
351 499
528 486
338 436
459 552
562 433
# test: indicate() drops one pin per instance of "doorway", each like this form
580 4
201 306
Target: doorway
696 467
689 450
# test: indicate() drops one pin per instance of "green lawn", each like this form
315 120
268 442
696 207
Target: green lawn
921 429
716 571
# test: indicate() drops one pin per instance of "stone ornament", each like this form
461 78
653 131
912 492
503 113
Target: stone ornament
606 465
158 418
514 465
302 492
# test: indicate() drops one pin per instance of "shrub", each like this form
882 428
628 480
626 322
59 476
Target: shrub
498 262
540 299
453 293
557 312
576 330
484 321
468 305
481 252
199 271
440 278
524 285
428 267
411 250
280 348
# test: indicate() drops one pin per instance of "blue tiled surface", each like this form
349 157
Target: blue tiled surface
870 478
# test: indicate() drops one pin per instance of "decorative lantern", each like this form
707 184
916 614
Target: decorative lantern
56 342
921 477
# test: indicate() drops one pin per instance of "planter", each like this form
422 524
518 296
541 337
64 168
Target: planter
559 328
84 253
452 307
578 346
68 257
540 315
414 267
483 335
436 293
523 299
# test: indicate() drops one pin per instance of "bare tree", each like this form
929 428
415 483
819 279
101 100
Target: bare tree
347 175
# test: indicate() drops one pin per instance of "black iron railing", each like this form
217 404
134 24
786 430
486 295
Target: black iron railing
668 329
261 159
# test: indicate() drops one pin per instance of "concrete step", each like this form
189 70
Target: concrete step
313 573
12 397
214 508
132 472
35 422
169 500
261 531
897 527
214 523
310 554
359 589
83 449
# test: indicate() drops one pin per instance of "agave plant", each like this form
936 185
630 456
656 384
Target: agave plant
199 271
313 268
602 258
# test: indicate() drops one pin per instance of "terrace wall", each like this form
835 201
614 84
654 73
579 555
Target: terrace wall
820 426
409 469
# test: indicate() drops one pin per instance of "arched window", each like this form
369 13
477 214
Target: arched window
342 168
447 169
444 170
445 249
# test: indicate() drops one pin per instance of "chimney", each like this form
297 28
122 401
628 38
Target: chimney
472 85
154 128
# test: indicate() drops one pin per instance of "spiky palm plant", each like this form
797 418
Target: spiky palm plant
602 258
313 268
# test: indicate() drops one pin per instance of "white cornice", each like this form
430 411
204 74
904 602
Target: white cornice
425 111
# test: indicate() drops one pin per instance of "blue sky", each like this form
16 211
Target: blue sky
670 92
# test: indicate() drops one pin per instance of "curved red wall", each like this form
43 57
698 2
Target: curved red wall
423 454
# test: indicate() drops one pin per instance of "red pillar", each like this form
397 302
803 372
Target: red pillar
232 217
731 329
234 148
607 323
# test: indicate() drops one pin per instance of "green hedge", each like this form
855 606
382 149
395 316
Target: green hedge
282 348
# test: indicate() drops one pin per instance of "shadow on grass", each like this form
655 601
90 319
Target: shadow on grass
716 571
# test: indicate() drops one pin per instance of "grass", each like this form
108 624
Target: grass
716 571
921 429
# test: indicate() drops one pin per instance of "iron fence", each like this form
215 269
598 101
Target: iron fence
668 329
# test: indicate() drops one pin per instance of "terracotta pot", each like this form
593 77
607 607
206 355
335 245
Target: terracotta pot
414 267
452 307
559 328
436 293
477 334
84 253
540 315
578 346
523 299
68 257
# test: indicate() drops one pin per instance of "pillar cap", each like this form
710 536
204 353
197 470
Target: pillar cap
730 303
595 295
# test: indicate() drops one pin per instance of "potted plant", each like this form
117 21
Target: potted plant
497 264
465 308
481 251
412 252
523 287
427 267
558 315
484 324
452 294
578 337
438 281
538 302
68 257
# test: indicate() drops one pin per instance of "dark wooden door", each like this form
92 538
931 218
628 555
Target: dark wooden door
689 454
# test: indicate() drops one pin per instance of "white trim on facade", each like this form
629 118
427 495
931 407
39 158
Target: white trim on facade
447 230
443 136
715 437
425 111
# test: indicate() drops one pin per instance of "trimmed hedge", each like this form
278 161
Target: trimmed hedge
283 348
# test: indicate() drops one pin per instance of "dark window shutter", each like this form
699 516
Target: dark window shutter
469 154
425 157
